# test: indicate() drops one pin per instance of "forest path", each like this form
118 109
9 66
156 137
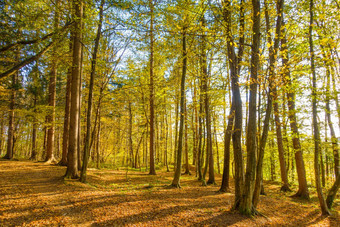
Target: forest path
35 194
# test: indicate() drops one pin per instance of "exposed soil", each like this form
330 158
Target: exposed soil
35 194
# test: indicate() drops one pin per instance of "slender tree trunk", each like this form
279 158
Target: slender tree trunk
1 134
187 170
205 82
152 92
52 93
246 205
284 177
316 133
63 161
176 129
200 135
273 51
300 165
166 141
331 128
72 159
10 131
216 142
237 102
90 98
227 139
98 140
130 137
176 180
34 132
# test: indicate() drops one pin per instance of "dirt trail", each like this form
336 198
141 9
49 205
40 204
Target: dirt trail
35 194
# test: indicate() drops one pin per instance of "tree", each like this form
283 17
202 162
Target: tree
90 98
72 158
52 93
176 181
151 88
316 131
291 96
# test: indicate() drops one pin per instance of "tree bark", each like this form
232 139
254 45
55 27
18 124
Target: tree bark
330 123
176 180
52 93
332 192
226 162
63 161
316 132
300 165
72 159
152 96
10 131
246 205
34 132
90 98
237 101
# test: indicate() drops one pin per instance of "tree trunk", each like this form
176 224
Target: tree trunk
176 180
284 177
300 165
216 142
316 133
226 163
152 96
90 98
63 161
52 93
246 205
72 159
1 134
10 131
273 51
330 124
34 132
130 137
237 102
200 135
98 140
187 170
332 192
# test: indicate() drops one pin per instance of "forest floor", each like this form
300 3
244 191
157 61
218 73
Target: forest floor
35 194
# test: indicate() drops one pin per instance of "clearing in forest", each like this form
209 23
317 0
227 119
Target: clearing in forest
33 194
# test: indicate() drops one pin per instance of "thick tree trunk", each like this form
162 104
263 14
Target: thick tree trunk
72 159
332 192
